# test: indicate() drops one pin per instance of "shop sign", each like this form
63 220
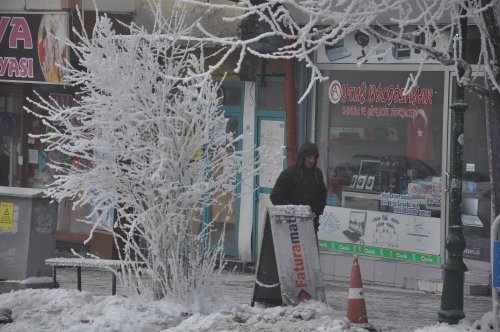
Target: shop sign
33 48
372 100
381 234
355 46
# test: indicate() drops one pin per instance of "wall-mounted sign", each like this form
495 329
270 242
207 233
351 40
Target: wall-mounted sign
357 47
381 234
33 47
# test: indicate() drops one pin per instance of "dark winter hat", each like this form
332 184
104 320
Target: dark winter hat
308 149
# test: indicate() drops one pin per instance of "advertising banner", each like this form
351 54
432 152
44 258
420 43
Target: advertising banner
294 254
33 47
356 46
409 238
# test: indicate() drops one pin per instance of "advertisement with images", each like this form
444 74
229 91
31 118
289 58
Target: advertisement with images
379 234
354 47
33 47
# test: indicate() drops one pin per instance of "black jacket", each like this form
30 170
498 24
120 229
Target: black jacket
299 185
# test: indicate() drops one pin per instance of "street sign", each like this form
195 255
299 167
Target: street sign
496 265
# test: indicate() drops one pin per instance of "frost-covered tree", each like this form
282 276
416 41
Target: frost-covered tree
431 26
148 135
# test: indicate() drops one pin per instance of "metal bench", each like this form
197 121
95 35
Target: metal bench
78 263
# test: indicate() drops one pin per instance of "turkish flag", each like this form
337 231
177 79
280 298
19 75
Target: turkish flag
420 141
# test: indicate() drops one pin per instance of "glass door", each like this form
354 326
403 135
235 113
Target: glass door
476 187
270 132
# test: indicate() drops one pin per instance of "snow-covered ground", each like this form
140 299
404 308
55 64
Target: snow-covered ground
66 309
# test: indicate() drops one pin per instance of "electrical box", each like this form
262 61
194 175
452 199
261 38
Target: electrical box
27 233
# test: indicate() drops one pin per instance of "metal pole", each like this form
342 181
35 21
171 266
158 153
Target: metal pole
452 297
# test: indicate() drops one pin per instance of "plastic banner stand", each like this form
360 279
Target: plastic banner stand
288 269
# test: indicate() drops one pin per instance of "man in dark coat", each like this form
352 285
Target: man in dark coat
302 183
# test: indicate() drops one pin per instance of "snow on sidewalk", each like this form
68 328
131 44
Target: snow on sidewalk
66 309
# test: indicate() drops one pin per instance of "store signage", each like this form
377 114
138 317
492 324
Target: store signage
369 98
381 234
335 92
355 47
32 47
377 100
292 261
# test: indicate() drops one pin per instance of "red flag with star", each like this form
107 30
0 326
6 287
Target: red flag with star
420 141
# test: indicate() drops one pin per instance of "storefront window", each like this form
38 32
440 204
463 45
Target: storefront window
231 95
381 142
270 95
383 153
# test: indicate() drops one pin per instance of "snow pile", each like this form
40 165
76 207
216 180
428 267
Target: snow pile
70 310
483 324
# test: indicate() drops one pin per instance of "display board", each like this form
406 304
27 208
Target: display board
288 269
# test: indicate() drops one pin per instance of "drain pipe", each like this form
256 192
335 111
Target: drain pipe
290 101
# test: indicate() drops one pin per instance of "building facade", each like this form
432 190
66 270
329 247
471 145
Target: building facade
31 51
386 157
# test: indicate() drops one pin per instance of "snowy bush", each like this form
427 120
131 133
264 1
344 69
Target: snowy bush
146 134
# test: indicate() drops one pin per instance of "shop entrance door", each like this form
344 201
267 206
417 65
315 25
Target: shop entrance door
270 133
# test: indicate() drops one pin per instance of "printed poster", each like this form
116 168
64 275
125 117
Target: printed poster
272 135
389 235
297 257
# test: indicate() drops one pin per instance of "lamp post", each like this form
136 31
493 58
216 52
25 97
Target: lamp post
452 297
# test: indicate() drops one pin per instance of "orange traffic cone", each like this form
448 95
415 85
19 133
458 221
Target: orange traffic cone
356 307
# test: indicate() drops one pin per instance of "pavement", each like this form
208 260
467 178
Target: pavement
388 308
